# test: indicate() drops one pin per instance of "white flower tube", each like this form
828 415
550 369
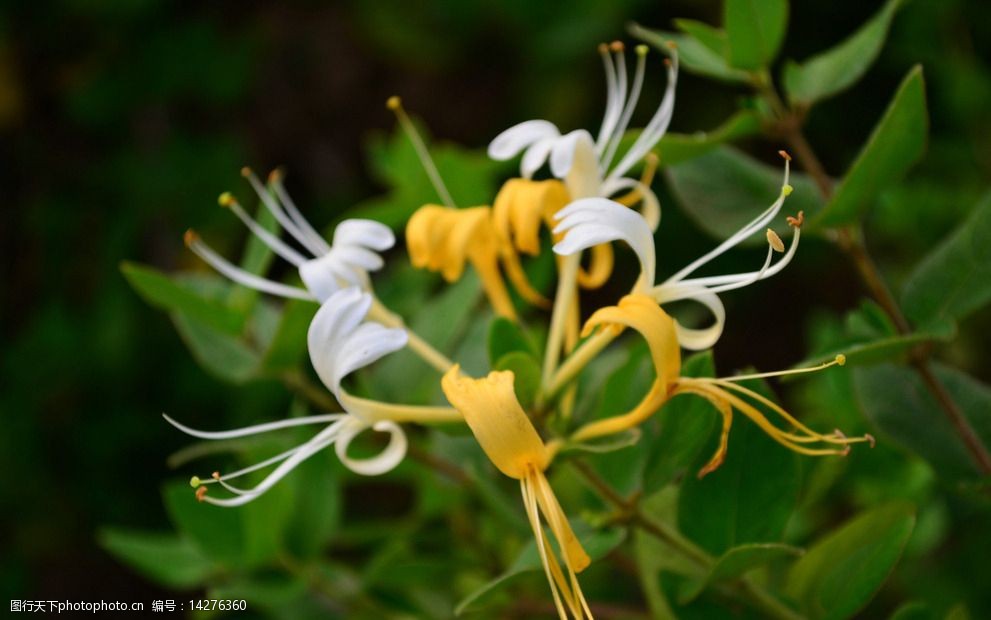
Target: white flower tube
340 342
324 268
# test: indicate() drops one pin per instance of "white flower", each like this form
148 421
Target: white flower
340 342
328 267
592 221
584 163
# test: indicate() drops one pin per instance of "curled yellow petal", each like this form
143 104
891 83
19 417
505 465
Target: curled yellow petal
644 315
442 238
521 206
500 425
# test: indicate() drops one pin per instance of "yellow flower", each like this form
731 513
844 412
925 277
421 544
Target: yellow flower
643 314
443 238
507 436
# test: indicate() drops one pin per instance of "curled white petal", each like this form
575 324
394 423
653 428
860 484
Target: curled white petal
385 461
563 151
511 142
364 233
536 156
338 346
591 221
650 207
690 338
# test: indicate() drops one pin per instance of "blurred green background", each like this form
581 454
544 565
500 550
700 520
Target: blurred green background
120 123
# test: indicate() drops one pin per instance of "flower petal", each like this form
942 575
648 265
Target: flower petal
386 461
509 143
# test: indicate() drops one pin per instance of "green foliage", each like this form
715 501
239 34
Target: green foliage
167 559
897 142
841 572
724 189
836 69
754 31
738 561
895 399
954 280
694 55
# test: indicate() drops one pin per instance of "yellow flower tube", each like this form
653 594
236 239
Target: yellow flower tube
509 439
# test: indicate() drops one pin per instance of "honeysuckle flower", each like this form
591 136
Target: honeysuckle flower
324 268
585 163
340 341
509 439
592 221
642 313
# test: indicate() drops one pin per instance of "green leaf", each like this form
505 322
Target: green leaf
955 278
738 561
749 498
165 293
895 399
225 356
711 37
597 545
166 559
693 55
288 345
686 423
898 140
870 338
505 337
675 148
754 31
527 375
217 531
319 503
836 69
723 190
913 610
841 573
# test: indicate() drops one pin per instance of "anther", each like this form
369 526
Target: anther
201 493
195 481
796 222
190 237
617 46
215 475
775 241
840 360
246 172
785 155
603 48
786 190
839 434
226 200
642 50
394 103
671 45
667 62
846 450
275 176
869 438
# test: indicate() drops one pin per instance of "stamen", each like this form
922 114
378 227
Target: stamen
655 128
275 181
257 428
276 209
775 241
796 222
395 104
612 100
839 360
240 276
228 201
201 494
631 104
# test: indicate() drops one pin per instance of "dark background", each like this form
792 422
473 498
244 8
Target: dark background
120 122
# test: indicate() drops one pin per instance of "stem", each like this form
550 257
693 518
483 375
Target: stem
562 302
851 241
630 509
418 345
